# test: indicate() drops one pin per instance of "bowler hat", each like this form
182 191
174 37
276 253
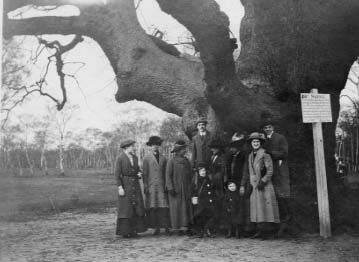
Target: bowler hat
256 135
180 144
154 140
127 143
267 119
201 120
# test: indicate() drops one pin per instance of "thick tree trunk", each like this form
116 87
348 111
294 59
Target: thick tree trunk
288 47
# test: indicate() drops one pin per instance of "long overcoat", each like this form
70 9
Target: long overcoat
126 176
263 203
278 147
154 177
201 153
178 178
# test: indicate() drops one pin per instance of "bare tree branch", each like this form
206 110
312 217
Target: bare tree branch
60 50
25 91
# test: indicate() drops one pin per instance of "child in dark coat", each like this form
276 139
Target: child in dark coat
231 210
205 202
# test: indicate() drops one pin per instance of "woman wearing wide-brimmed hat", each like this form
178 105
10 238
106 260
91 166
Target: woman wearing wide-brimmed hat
178 185
156 199
263 202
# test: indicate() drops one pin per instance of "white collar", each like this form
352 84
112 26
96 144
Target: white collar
270 135
203 133
129 155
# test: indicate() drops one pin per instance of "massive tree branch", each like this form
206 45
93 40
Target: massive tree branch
143 71
210 28
44 25
10 5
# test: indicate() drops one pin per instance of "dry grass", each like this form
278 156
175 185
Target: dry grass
27 197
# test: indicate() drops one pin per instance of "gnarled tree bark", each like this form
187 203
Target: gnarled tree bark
288 47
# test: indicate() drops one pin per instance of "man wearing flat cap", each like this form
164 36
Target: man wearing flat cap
156 199
277 147
130 212
201 153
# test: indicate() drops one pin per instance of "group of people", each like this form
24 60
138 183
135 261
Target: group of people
240 188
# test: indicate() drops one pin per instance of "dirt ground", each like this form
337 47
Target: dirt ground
90 237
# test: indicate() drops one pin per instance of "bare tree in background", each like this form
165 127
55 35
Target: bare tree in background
287 48
61 120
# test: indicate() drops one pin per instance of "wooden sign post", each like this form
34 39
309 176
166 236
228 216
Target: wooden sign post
316 109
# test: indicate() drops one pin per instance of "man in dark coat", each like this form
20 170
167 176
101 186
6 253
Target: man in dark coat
156 199
276 145
130 212
200 150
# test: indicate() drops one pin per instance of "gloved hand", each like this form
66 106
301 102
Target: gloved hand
172 192
121 191
242 190
261 185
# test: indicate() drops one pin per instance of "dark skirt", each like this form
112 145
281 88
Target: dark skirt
135 224
158 217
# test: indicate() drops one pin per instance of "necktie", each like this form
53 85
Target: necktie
131 159
157 156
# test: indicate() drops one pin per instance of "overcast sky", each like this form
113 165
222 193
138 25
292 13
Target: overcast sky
97 86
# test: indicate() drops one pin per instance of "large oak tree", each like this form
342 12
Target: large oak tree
287 47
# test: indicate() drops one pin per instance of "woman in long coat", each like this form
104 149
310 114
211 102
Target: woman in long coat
178 185
130 212
263 202
156 199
